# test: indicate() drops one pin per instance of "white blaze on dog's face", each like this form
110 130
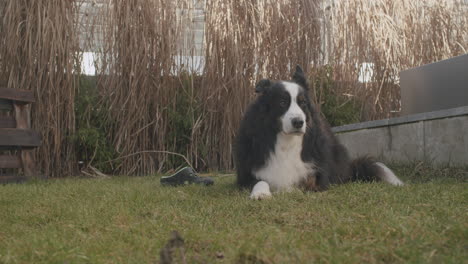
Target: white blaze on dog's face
293 121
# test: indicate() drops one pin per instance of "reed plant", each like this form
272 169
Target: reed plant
39 51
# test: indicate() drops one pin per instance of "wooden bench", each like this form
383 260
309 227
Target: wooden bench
16 137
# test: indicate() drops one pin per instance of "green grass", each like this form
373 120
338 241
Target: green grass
129 220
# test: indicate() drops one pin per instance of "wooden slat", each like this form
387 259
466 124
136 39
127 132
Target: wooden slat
5 179
15 138
7 122
18 95
10 162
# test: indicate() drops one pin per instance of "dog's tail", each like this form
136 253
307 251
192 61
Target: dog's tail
367 169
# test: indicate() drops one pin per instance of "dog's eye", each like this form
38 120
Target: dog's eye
283 103
302 102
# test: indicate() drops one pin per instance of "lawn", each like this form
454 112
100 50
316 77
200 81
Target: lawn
130 219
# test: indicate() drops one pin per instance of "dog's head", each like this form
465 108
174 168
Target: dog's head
287 101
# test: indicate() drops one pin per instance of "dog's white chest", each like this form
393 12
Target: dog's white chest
284 168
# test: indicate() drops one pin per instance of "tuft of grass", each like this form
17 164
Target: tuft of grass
130 219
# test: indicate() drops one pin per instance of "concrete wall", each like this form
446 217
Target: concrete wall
437 137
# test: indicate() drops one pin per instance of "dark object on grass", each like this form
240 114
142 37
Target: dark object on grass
185 176
166 253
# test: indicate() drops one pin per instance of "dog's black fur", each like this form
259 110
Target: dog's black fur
258 132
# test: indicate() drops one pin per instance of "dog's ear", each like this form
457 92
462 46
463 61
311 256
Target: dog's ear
299 77
262 86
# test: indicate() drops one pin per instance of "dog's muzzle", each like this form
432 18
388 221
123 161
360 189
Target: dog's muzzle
297 123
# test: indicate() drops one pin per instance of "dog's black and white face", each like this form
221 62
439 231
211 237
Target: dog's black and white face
293 103
288 102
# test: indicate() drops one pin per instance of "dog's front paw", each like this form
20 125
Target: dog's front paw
260 191
260 196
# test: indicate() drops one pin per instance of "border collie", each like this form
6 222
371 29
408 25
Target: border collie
284 143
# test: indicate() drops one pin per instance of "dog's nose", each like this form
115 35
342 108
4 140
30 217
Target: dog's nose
297 122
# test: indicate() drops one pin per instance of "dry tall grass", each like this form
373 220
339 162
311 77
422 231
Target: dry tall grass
158 107
135 79
146 86
246 41
393 36
39 52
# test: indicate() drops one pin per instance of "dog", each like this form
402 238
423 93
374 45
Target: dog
284 143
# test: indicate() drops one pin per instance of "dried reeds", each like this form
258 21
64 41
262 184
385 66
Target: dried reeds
381 38
149 91
137 79
246 41
39 52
